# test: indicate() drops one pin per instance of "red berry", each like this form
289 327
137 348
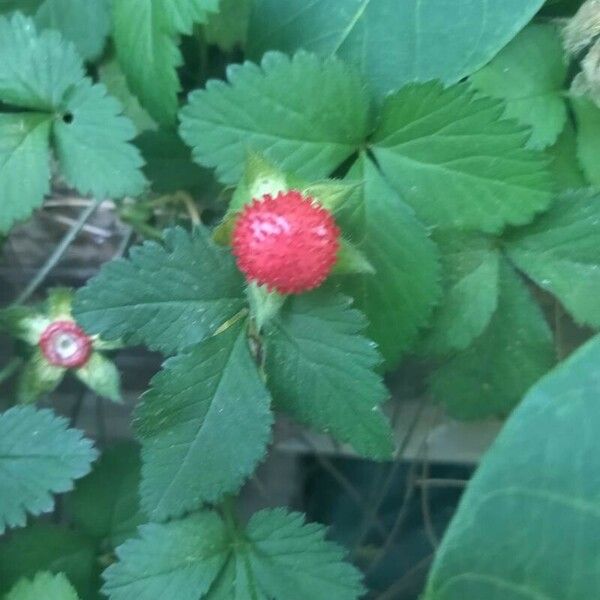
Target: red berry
288 243
65 344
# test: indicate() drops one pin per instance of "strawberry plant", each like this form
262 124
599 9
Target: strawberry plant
317 195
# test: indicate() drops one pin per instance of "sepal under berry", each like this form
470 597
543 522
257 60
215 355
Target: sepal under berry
38 377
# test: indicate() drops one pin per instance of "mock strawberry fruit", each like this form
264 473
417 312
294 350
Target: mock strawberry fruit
288 243
65 344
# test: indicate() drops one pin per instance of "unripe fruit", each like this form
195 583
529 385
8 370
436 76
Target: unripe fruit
65 344
288 243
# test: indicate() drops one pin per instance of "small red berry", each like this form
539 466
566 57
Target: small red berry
65 344
288 243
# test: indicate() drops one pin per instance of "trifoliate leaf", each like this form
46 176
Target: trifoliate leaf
527 526
470 267
178 560
588 137
277 557
86 24
392 42
43 585
229 27
92 144
39 456
48 548
165 296
515 350
36 69
565 166
105 505
529 74
320 369
24 165
204 426
561 253
146 34
102 377
304 114
456 162
399 297
38 377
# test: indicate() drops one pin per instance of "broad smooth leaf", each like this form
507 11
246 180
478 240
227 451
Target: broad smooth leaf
588 137
321 370
165 296
561 253
146 35
304 114
43 585
86 24
24 165
39 456
204 425
471 271
528 527
277 557
391 42
491 375
397 299
48 548
529 74
456 162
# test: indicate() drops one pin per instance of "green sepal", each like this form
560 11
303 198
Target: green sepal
102 377
351 261
58 303
264 304
38 377
330 194
23 323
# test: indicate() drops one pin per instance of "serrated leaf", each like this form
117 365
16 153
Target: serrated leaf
24 165
168 297
44 547
321 370
176 560
148 51
105 505
565 165
204 426
456 162
43 585
398 299
228 28
39 456
515 350
529 74
588 137
391 42
528 526
304 114
561 253
92 144
471 270
86 23
277 557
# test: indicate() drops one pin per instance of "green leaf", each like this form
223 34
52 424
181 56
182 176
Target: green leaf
37 378
146 34
204 425
530 75
86 24
588 137
399 298
92 144
321 370
24 6
528 524
105 505
178 560
304 114
43 585
39 456
515 350
471 271
102 377
561 253
168 297
391 42
456 162
36 69
24 165
565 165
44 547
229 27
277 557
